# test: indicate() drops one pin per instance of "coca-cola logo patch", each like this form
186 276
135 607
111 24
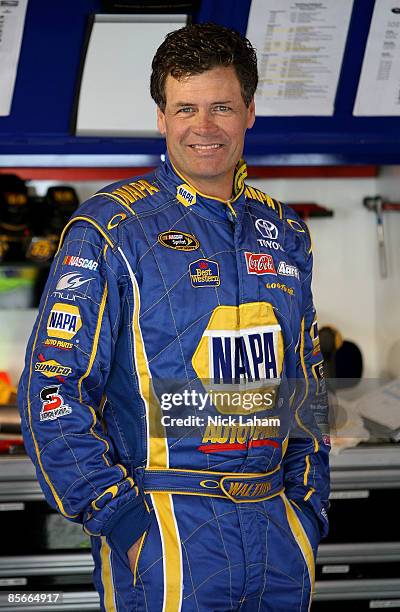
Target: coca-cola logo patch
259 263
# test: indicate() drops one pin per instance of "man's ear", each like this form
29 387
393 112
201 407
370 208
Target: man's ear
251 114
161 121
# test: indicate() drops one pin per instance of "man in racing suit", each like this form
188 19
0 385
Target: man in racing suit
159 288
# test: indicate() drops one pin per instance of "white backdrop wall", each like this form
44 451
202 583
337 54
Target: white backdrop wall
348 291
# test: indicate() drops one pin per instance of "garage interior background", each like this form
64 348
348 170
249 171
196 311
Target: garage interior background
349 292
334 161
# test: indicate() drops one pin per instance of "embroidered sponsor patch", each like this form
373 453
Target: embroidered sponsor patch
52 368
259 263
281 287
186 194
269 233
64 321
53 406
58 344
80 262
204 273
241 345
288 270
179 241
72 281
267 229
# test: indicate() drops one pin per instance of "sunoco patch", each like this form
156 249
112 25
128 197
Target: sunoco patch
204 273
179 241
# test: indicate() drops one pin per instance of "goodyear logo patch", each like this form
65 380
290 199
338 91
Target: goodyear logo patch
64 321
52 368
281 287
186 194
179 241
204 273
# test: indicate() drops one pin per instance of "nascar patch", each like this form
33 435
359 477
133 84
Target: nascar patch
80 262
64 321
179 241
204 273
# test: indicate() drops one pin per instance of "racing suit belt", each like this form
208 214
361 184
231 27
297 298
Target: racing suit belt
236 486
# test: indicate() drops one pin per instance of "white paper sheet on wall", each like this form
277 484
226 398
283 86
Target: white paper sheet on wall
379 87
12 18
120 52
300 49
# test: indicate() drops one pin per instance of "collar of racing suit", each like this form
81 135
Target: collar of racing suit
211 207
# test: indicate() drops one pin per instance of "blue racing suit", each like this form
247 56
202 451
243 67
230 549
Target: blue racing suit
158 293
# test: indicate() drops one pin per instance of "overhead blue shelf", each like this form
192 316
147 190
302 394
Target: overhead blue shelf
48 77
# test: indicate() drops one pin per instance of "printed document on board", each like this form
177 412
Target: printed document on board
300 49
12 17
379 87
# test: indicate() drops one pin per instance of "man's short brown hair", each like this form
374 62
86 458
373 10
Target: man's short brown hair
200 47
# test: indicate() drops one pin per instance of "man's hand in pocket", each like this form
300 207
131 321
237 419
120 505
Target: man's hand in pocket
133 553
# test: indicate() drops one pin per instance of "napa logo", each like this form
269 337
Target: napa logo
64 321
241 350
186 194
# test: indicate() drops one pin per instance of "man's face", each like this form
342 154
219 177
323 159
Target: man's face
204 122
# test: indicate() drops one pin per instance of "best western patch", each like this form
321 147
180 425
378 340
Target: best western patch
179 241
52 368
204 273
186 194
64 321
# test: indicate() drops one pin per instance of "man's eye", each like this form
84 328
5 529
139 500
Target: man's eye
221 108
186 109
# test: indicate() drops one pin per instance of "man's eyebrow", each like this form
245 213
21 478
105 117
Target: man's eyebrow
184 104
178 104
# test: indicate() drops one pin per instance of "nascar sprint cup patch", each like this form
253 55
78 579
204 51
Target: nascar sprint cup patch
180 241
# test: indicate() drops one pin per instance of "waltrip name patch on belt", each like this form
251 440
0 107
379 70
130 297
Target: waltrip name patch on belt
179 241
204 273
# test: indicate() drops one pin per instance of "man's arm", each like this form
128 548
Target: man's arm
68 361
306 462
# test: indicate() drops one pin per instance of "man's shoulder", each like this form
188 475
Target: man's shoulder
131 196
293 224
121 201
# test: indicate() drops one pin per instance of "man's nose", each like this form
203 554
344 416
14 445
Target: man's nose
204 122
